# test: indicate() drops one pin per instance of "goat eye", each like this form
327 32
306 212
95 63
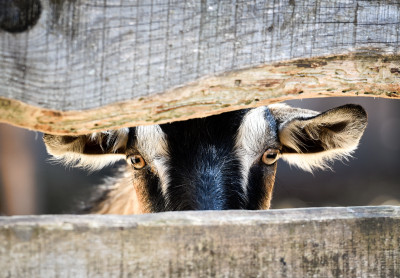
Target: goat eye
137 161
270 156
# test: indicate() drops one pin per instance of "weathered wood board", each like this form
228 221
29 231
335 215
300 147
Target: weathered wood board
318 242
78 66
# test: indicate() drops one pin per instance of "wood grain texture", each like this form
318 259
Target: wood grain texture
348 75
171 60
318 242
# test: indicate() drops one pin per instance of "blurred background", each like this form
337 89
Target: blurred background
31 184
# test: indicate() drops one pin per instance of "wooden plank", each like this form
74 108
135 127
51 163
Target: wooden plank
89 65
317 242
371 76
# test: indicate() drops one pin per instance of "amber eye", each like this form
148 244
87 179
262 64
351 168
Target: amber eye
270 156
137 161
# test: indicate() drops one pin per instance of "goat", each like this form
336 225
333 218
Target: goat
225 161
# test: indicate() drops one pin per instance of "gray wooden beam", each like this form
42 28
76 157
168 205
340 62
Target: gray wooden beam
142 62
317 242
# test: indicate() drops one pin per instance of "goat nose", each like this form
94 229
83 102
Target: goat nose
208 190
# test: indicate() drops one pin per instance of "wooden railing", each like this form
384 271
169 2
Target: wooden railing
318 242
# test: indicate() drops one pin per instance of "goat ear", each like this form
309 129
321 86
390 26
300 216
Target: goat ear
93 151
314 141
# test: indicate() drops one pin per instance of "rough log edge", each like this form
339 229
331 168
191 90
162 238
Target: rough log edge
356 74
208 218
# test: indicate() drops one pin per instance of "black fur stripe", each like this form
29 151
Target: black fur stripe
205 172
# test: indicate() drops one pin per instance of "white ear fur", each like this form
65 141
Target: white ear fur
72 154
313 161
88 162
335 144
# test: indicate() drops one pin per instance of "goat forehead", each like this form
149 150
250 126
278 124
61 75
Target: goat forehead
251 130
208 130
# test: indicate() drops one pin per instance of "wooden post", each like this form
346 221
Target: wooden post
71 67
319 242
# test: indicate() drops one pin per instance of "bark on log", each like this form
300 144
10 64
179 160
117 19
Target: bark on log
319 242
81 66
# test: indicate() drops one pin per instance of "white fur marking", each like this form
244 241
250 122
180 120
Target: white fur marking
152 145
251 140
89 162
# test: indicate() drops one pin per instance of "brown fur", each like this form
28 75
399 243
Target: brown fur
269 184
125 197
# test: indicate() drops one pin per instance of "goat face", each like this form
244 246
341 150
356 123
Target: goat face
226 161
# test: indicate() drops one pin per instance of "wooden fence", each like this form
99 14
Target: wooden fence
73 67
319 242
